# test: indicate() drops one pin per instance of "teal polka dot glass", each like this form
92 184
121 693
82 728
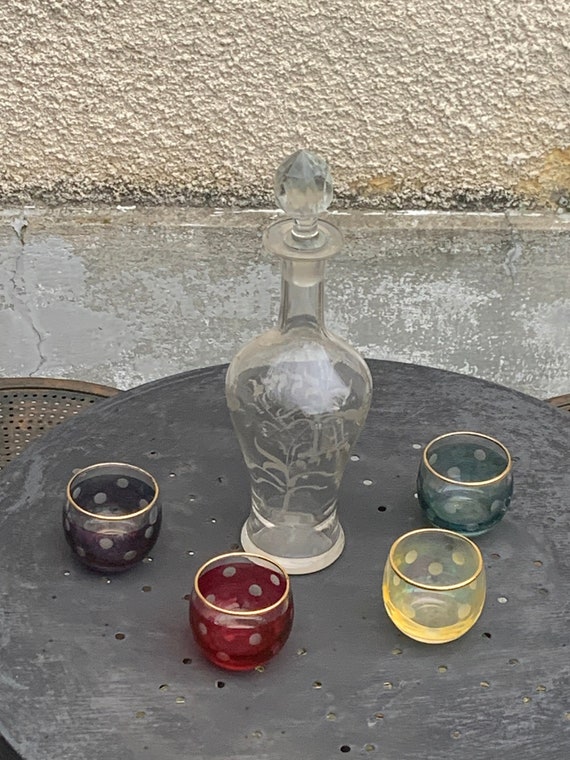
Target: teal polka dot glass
465 482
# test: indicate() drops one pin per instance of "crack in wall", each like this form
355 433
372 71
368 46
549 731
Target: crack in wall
20 302
514 252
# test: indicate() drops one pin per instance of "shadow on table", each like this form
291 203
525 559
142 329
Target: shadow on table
6 751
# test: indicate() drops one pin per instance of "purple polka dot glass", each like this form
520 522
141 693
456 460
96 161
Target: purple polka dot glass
112 515
241 610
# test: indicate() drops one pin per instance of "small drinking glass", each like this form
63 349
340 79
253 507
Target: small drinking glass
434 585
241 610
465 482
112 515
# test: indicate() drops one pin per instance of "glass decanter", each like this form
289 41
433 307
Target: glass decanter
297 394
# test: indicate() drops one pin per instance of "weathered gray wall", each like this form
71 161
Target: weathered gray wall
126 296
447 103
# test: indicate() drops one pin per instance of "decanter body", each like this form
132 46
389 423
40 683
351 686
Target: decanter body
297 394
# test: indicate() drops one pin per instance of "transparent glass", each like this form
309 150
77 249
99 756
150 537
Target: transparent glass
465 482
298 397
241 610
297 394
434 585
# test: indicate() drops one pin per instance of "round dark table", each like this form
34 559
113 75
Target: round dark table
347 681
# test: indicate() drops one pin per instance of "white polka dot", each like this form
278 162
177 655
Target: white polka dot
223 656
411 557
408 610
153 517
416 445
76 492
274 579
148 532
105 543
202 628
480 454
122 482
143 503
433 459
67 524
80 550
463 610
129 555
100 498
473 585
396 581
255 590
454 473
450 507
255 639
211 598
435 568
228 571
496 505
458 558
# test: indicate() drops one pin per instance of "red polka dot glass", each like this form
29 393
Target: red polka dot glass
241 610
112 515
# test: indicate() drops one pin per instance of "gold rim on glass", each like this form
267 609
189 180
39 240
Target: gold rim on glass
99 466
242 613
431 586
469 483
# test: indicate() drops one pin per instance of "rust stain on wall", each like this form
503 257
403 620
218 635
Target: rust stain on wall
551 183
379 184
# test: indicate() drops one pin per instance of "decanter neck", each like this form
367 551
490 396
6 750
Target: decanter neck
302 294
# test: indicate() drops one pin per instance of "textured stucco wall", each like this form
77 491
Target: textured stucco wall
446 103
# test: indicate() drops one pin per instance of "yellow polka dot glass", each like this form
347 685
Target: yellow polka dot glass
434 585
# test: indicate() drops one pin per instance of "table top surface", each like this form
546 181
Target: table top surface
347 679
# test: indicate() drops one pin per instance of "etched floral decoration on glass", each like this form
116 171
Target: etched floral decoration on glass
298 395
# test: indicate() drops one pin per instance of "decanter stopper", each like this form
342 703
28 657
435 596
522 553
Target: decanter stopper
303 189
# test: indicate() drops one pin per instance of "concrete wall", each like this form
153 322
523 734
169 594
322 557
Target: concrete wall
125 296
443 103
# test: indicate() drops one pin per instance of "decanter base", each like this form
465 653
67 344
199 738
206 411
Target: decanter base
296 565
